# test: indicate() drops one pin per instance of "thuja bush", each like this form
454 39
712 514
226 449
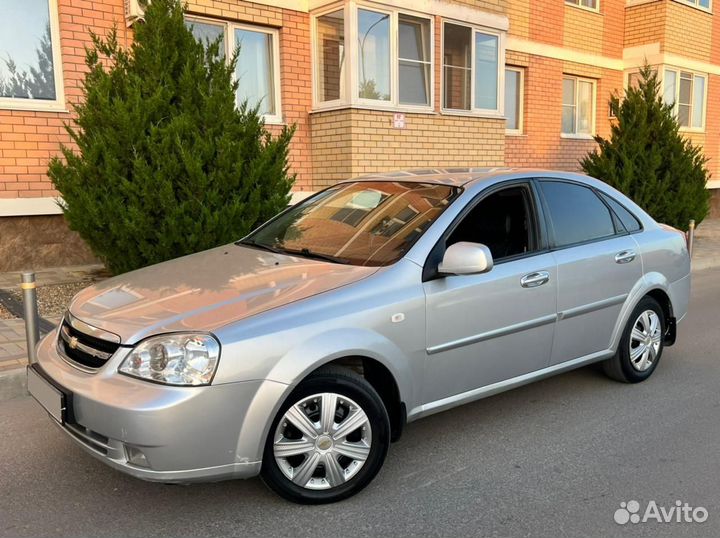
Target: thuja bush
648 158
164 162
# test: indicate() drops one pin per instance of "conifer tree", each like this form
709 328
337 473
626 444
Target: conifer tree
165 163
649 160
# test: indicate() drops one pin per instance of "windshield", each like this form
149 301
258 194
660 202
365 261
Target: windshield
362 223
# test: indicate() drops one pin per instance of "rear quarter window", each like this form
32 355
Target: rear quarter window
576 213
629 221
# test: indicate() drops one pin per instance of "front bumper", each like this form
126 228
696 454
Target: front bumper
185 434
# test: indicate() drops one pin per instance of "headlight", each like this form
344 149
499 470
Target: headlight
174 359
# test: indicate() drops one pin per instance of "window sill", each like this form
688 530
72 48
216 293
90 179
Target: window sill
571 136
472 114
515 133
30 106
693 6
634 3
596 11
692 130
402 109
273 120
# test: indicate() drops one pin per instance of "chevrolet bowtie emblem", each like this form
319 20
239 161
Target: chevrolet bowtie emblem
73 343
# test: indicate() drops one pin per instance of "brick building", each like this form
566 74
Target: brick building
371 85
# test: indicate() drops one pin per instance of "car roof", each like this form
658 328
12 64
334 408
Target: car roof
465 176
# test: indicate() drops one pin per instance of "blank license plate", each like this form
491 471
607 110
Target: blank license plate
46 395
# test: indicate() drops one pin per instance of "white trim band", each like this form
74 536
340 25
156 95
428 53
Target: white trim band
24 207
535 48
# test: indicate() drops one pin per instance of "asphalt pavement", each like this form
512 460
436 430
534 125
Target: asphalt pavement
555 458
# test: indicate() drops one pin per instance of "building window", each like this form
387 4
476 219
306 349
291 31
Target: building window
373 55
389 54
634 80
30 76
578 106
686 93
414 61
257 68
457 70
588 4
330 56
471 69
702 4
254 69
514 90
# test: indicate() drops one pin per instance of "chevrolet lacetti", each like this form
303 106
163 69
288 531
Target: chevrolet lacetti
300 352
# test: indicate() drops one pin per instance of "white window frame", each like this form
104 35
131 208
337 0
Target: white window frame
350 75
343 99
499 112
593 113
521 101
229 29
696 4
45 105
678 71
577 4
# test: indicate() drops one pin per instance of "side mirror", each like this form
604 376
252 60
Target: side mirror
466 258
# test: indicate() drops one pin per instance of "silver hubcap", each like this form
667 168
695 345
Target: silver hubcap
645 340
322 441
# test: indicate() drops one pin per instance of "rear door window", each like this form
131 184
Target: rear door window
576 213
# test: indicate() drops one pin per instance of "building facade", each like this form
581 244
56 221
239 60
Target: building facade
371 86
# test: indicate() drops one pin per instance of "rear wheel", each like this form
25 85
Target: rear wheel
641 345
328 440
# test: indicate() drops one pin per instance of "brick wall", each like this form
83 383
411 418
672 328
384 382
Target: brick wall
29 139
541 144
684 23
331 146
645 23
353 142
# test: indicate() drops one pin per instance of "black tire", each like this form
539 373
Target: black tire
619 367
347 383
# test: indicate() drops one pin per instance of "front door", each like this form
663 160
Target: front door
489 327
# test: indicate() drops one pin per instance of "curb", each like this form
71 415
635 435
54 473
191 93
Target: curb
13 384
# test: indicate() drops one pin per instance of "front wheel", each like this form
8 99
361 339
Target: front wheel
641 344
329 439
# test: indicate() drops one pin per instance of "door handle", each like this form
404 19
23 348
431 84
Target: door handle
626 256
533 280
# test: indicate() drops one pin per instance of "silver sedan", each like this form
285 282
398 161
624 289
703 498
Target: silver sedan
300 352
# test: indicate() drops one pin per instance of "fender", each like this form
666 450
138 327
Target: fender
644 285
303 359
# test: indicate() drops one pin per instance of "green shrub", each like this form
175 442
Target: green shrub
165 164
648 159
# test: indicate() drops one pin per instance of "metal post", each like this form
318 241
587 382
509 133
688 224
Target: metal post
32 325
691 236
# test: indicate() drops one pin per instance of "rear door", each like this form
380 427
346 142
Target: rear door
597 262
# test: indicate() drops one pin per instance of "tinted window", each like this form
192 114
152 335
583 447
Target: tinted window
364 223
501 222
629 221
576 213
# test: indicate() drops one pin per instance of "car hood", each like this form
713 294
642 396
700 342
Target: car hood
205 291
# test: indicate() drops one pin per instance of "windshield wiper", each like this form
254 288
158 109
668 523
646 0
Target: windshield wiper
306 252
261 246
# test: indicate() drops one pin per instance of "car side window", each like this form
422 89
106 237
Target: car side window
629 221
502 221
576 213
